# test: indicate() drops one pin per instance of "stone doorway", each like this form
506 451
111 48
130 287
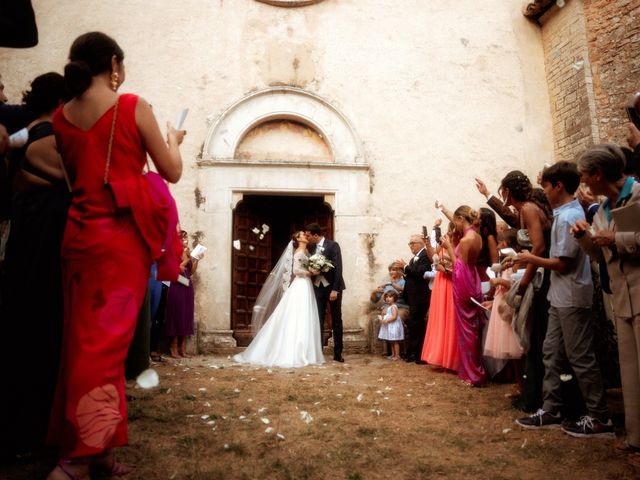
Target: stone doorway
262 228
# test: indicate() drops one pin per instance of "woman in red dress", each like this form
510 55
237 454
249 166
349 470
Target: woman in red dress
105 259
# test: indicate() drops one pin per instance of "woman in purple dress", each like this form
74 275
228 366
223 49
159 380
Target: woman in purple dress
180 303
467 287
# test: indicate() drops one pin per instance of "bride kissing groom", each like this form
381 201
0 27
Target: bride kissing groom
288 315
328 286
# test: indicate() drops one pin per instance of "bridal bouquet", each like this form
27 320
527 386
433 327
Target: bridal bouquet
319 263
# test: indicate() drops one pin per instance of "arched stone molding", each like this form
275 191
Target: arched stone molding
290 3
226 133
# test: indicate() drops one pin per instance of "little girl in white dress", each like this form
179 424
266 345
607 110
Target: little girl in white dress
391 328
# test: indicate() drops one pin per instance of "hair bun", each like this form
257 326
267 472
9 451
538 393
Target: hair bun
77 77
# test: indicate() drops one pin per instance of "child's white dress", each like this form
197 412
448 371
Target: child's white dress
393 331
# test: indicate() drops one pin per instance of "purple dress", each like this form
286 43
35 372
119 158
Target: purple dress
469 321
180 307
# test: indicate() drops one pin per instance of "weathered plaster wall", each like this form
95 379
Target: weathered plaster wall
438 92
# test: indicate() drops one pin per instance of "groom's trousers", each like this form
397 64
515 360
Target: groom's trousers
322 297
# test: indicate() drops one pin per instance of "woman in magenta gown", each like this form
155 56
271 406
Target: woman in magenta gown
470 317
105 258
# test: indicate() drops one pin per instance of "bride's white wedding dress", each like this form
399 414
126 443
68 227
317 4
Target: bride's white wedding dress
291 335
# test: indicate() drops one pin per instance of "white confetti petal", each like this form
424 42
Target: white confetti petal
148 379
262 409
204 417
265 228
268 430
565 377
241 417
236 390
506 430
265 420
236 244
280 436
305 417
255 230
360 397
202 389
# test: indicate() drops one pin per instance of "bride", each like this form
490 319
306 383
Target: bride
290 337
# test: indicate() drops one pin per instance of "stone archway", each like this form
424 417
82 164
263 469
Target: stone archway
226 133
290 3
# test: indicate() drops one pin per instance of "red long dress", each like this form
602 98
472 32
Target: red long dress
106 265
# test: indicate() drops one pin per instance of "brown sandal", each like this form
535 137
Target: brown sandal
108 465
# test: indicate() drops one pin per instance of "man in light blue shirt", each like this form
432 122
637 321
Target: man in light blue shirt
569 338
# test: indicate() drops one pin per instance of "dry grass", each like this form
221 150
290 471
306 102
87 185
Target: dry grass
371 419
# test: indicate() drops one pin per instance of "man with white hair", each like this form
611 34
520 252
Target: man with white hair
417 295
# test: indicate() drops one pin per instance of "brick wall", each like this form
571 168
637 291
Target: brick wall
564 37
613 36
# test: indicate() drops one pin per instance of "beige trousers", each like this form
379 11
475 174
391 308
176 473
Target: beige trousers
628 330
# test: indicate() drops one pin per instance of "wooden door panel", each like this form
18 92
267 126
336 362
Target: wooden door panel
255 259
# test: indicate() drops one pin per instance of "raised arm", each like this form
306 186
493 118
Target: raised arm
165 155
447 213
509 216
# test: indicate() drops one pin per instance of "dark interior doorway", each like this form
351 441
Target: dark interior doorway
260 247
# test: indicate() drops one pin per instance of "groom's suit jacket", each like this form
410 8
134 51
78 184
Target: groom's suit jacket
331 250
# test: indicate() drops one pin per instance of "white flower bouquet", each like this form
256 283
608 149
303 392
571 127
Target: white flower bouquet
318 263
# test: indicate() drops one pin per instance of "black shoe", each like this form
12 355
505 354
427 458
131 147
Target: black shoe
541 419
338 358
420 362
410 359
589 427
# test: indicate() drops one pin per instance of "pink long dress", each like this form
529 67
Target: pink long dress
500 341
469 321
441 340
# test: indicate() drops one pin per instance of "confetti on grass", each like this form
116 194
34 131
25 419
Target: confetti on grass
148 379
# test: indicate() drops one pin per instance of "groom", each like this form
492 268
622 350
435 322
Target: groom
328 286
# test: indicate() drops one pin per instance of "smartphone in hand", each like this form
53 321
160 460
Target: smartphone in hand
425 234
634 117
632 110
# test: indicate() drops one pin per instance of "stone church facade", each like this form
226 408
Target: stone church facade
354 114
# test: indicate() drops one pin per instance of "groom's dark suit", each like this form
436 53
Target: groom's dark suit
331 250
